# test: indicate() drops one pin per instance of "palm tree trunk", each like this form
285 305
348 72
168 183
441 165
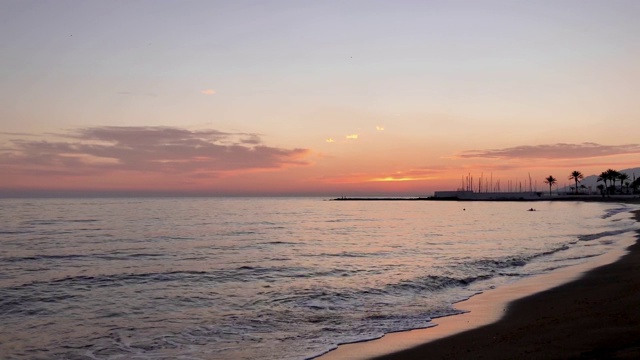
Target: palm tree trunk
613 180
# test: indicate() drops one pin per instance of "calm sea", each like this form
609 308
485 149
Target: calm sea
264 278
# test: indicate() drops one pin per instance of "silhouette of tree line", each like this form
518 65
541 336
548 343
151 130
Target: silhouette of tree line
609 177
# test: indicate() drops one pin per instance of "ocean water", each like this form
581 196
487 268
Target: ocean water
264 278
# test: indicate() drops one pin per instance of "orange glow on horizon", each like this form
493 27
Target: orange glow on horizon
371 165
400 179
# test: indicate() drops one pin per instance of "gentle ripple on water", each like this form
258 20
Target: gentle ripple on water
217 278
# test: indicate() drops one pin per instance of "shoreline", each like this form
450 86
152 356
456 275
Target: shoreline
571 312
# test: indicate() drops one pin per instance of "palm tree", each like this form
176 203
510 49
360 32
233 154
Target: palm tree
550 180
613 176
604 176
583 188
576 176
623 177
609 175
601 188
635 184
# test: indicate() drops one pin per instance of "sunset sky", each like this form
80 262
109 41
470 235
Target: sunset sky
313 97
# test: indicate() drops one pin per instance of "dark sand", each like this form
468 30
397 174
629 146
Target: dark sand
594 317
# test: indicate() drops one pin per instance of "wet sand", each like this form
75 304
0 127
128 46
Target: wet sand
595 316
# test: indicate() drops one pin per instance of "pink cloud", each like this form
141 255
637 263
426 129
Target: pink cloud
554 151
146 149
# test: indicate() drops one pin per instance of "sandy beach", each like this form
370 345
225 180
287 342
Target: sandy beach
595 316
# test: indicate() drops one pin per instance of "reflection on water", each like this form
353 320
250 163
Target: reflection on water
263 278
